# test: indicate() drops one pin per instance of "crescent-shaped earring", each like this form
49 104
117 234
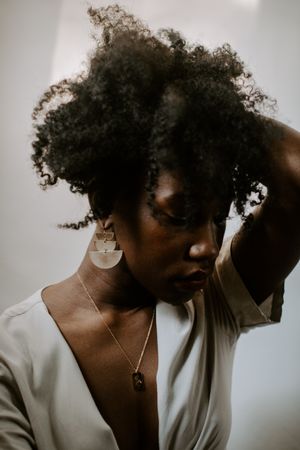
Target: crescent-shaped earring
106 256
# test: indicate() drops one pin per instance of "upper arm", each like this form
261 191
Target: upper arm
15 429
266 252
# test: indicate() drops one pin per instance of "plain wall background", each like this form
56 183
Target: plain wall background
42 41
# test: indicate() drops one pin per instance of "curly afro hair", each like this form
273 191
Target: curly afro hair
150 102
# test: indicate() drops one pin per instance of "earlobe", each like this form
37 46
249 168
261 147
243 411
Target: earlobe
107 222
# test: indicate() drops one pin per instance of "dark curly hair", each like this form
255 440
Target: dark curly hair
150 102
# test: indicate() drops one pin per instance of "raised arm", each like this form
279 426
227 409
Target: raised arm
266 252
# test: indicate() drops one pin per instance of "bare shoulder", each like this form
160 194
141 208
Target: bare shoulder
62 300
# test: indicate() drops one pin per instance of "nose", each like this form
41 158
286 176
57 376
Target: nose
205 244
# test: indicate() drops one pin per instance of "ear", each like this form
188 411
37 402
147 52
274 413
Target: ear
101 216
91 197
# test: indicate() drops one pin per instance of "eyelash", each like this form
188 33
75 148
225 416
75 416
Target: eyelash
177 221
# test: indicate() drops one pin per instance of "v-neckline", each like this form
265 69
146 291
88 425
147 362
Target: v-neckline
79 374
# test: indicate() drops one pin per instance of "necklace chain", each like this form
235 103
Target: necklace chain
135 368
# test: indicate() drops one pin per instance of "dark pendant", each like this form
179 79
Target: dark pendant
138 381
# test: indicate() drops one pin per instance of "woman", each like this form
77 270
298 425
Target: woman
135 350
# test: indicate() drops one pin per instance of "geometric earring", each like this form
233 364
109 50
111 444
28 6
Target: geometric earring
105 257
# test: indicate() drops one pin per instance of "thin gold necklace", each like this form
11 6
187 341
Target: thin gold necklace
138 379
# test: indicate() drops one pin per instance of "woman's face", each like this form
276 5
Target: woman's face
170 260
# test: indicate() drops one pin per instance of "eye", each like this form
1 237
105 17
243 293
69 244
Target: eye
170 216
179 221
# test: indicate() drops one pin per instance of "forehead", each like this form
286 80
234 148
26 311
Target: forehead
171 190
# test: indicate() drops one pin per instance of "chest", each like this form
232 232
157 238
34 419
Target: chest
131 414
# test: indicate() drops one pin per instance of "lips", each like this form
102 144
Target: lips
198 275
192 282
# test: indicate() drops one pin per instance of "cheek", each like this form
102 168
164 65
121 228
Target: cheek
148 246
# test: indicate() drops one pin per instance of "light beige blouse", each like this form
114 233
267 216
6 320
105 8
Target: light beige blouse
45 402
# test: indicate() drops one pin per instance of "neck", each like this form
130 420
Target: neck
115 288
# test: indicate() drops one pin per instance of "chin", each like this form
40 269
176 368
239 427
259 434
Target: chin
177 299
